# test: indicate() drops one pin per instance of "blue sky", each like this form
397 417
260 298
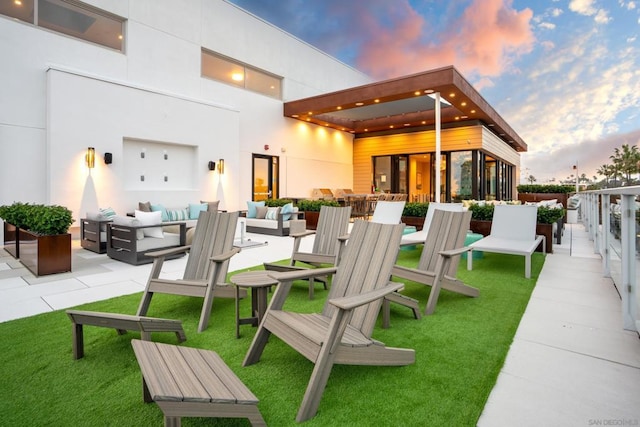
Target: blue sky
565 74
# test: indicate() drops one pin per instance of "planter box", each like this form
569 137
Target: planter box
484 228
312 219
11 240
44 255
415 221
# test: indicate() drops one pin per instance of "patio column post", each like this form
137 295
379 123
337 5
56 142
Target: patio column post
437 94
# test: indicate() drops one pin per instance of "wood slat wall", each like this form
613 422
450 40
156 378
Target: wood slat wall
463 138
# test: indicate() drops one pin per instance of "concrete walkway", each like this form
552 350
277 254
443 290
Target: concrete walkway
571 363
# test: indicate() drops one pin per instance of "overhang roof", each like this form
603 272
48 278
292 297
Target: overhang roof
401 104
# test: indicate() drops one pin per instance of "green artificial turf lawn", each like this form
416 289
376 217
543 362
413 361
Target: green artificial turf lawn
459 352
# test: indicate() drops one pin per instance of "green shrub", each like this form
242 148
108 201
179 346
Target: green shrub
39 219
315 205
549 215
415 209
481 212
274 203
539 188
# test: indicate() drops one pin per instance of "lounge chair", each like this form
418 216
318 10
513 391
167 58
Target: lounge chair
342 332
440 257
513 231
420 236
388 212
207 265
333 222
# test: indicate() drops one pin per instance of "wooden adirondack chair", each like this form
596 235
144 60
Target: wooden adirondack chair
342 332
207 265
440 257
333 222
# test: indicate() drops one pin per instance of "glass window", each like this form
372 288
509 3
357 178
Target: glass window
71 18
460 175
235 73
20 9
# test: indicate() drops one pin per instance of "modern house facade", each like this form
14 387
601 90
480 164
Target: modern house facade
173 90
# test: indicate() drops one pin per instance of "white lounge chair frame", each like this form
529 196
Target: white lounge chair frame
513 232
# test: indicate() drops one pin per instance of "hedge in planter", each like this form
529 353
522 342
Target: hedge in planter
43 241
414 214
311 209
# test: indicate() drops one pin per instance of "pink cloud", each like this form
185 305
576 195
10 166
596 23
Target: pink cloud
482 42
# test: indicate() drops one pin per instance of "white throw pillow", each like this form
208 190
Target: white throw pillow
150 218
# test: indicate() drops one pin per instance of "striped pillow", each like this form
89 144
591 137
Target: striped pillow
178 214
108 213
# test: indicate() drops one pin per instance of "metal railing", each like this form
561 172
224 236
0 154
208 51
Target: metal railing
610 216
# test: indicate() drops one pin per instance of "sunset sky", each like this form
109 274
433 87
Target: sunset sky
565 74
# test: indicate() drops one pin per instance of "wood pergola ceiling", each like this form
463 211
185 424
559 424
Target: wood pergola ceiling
402 103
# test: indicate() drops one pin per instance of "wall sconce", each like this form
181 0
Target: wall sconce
108 158
212 165
90 157
221 166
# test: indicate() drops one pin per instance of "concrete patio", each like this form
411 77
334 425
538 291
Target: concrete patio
570 364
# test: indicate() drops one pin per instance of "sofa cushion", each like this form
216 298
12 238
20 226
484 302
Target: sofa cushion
150 218
128 221
196 208
163 211
150 243
252 208
95 216
261 212
272 213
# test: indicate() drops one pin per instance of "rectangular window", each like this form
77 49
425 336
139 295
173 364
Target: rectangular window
236 73
72 18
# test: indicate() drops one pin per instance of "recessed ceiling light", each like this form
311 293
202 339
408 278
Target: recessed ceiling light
452 95
376 100
473 111
391 127
457 117
464 104
492 124
366 130
338 108
428 91
310 113
417 93
237 77
424 122
407 124
295 115
465 117
359 104
17 2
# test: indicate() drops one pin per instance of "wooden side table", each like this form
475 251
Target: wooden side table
259 282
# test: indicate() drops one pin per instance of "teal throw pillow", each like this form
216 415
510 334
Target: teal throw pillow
252 208
196 208
287 210
162 210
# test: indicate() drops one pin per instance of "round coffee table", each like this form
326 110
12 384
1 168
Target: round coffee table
259 282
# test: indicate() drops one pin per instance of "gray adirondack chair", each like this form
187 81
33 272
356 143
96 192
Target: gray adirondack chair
333 223
440 257
206 270
341 333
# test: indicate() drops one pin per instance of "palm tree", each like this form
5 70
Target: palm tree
625 161
531 179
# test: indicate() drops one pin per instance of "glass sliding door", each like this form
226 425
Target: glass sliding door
265 180
460 176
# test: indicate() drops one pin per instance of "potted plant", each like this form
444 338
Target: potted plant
43 238
311 209
414 214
